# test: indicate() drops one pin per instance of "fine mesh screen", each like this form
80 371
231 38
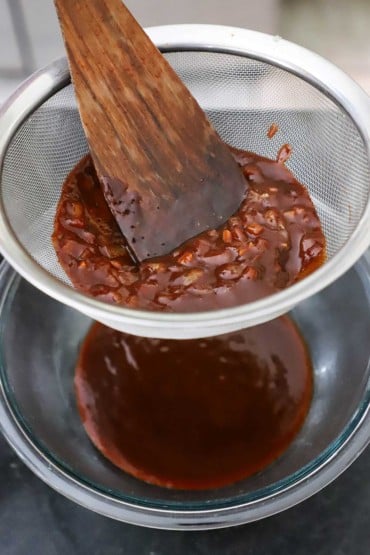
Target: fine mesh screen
242 98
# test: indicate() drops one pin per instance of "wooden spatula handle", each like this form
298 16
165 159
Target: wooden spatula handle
165 172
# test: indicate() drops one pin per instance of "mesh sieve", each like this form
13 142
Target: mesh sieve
243 96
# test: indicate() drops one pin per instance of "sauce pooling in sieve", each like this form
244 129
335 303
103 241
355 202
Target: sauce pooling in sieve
273 240
194 414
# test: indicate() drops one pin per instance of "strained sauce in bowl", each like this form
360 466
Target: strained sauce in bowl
194 414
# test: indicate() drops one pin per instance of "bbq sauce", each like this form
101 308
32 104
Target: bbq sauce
273 240
194 414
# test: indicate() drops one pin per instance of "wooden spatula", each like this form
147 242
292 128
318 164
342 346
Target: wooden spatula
165 173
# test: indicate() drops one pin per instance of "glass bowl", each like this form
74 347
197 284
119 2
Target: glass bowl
39 340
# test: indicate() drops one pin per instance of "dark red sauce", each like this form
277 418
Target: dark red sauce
272 130
194 414
284 154
273 240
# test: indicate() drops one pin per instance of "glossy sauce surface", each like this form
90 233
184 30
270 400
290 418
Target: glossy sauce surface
273 240
194 414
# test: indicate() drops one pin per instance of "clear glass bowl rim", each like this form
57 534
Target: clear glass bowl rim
237 510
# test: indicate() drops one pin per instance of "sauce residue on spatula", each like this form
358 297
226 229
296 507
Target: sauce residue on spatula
165 172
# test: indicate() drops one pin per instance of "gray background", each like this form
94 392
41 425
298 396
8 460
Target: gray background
337 29
34 520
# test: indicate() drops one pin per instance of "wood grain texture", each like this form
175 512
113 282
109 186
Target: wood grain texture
165 173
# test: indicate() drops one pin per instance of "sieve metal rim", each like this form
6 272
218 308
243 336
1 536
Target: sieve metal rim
275 51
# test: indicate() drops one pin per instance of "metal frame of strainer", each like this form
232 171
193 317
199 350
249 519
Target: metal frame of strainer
308 66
